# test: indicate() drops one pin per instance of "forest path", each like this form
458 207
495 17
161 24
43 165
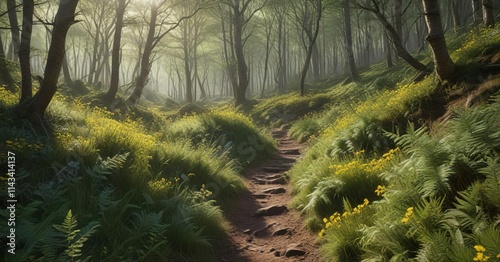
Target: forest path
263 228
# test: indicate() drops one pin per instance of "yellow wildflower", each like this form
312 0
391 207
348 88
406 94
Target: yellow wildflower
479 248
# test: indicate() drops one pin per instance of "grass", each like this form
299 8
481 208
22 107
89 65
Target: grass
426 199
135 191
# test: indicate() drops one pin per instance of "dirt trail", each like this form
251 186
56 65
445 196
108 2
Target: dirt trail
263 228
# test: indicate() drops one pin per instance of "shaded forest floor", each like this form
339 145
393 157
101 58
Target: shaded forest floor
263 228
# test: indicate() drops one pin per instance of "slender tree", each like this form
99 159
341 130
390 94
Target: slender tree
241 11
393 36
309 23
488 17
14 26
477 11
24 50
348 41
115 56
5 76
443 64
153 38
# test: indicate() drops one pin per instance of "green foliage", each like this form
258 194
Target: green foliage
480 41
439 195
143 193
226 130
75 237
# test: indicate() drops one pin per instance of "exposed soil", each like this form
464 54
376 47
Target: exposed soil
263 228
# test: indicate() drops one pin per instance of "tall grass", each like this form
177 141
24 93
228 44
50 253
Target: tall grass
138 192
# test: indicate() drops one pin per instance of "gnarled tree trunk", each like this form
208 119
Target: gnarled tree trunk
34 108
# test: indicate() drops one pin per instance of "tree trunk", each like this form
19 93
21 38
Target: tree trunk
231 71
488 17
145 63
310 48
187 72
5 76
456 16
238 23
115 56
66 73
34 109
14 26
266 63
388 50
477 12
24 50
444 66
348 42
398 17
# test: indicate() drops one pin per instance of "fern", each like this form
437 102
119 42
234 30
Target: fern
492 183
104 167
74 240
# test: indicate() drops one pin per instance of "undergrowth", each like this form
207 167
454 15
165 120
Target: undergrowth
426 194
113 186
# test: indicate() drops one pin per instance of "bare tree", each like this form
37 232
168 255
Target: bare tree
152 40
308 18
443 64
241 11
393 36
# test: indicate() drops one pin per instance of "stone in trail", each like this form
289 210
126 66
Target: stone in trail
269 177
275 169
275 210
262 231
260 196
275 190
281 232
276 181
294 250
294 152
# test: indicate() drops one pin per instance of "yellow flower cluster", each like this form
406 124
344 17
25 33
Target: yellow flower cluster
359 153
358 166
205 192
408 215
159 185
335 219
480 254
102 112
380 191
7 98
20 144
477 40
